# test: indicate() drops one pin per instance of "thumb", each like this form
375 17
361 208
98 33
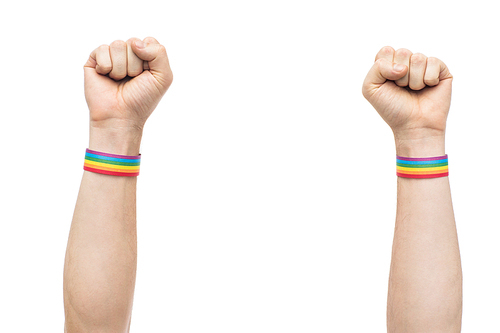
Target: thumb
380 72
157 61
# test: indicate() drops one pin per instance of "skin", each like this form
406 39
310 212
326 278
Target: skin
412 93
124 82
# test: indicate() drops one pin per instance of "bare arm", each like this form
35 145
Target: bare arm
122 89
425 284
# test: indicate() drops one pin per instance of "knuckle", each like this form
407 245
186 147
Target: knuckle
403 53
162 49
432 61
103 47
387 50
118 44
418 58
150 40
131 40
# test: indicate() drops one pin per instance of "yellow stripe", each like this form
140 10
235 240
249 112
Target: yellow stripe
426 169
111 169
113 166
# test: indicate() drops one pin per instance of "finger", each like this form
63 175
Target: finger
380 72
402 56
156 57
100 60
134 63
436 71
418 63
118 53
149 40
386 53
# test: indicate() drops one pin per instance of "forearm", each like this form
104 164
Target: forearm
101 258
425 284
100 265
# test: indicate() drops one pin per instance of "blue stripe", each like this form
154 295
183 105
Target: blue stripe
112 158
422 162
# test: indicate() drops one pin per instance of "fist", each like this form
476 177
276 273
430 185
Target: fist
125 81
411 92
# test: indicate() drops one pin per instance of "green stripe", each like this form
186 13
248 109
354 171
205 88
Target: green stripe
112 162
422 165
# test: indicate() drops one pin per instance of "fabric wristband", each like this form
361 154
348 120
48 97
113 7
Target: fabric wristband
422 167
112 164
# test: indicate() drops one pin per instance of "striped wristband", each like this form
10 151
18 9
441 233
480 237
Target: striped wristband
111 164
425 167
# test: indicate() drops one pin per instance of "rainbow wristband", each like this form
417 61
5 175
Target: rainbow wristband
426 167
111 164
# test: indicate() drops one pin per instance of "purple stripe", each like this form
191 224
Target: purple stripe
421 158
114 155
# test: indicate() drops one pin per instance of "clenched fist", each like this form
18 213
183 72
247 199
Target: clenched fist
124 82
412 93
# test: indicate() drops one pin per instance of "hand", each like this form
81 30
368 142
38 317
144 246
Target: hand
124 82
412 93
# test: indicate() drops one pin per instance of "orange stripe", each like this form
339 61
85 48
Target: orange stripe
422 172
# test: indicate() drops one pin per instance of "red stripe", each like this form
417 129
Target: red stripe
433 175
111 173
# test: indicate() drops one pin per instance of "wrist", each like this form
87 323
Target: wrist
420 147
116 140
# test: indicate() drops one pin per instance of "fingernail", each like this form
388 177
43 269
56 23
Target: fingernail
140 44
399 67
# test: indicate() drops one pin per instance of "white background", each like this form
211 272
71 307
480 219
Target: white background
266 200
